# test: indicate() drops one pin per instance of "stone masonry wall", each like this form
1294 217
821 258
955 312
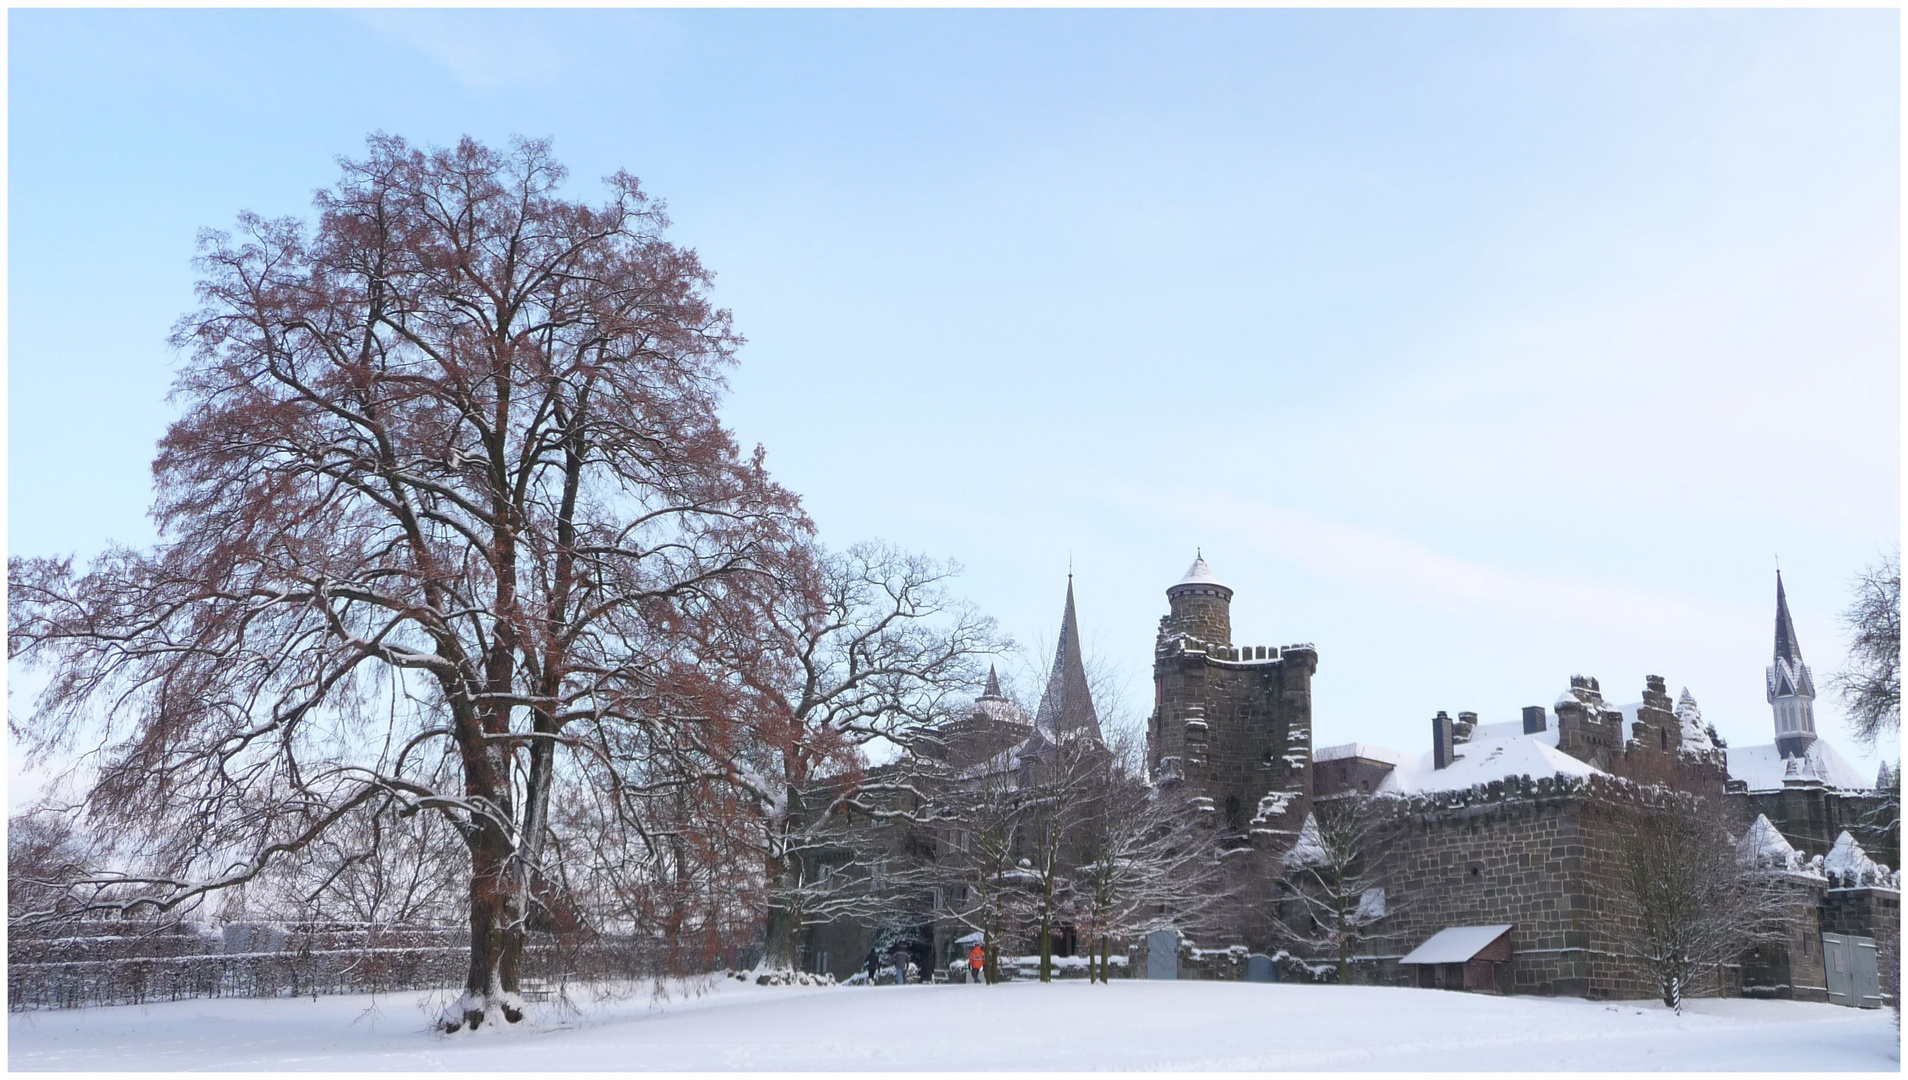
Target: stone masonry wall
1536 854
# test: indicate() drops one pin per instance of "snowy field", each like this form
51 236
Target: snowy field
1063 1026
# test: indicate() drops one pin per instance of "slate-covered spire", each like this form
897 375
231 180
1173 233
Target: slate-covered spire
1067 706
1791 692
1787 647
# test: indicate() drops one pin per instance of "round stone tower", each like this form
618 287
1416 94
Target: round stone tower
1201 606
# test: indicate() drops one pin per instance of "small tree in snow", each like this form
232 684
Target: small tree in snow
1333 891
1696 897
978 816
1146 858
1058 796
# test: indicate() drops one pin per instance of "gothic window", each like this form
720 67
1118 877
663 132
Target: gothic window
1235 819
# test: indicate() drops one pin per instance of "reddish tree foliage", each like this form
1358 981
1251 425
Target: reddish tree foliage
447 499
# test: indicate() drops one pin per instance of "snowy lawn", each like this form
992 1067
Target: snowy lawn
1071 1025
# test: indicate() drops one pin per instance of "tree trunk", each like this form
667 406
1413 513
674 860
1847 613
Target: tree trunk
779 952
1046 929
496 942
1046 947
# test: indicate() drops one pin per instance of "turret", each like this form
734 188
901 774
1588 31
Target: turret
1201 606
1791 691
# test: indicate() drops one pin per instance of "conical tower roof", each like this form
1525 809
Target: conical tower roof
1199 573
1067 706
992 692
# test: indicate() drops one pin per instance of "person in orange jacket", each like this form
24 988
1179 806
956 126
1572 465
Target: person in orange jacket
976 959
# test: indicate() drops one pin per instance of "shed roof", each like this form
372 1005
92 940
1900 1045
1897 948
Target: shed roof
1455 944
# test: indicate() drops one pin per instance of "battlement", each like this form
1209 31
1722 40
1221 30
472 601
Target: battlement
1601 788
1183 644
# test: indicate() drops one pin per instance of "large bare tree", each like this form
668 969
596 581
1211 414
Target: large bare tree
449 486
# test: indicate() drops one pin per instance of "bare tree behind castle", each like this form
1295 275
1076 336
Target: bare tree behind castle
868 648
1871 683
449 485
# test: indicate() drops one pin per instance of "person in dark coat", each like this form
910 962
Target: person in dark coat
899 958
874 965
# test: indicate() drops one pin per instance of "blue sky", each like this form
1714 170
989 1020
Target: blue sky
1478 348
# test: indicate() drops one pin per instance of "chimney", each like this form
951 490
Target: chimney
1533 719
1442 748
1466 723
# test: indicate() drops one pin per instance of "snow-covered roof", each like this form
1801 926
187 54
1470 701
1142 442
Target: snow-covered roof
1494 752
1307 851
1359 750
1200 574
1849 866
1763 768
1000 710
1455 944
1764 845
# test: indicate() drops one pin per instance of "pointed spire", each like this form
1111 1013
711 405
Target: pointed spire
1791 691
1786 645
1067 706
992 692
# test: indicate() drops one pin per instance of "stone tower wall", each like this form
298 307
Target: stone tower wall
1236 732
1201 612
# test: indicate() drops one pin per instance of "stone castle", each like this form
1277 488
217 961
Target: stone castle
1510 832
1515 825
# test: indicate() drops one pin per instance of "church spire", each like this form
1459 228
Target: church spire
1067 705
1786 645
1791 692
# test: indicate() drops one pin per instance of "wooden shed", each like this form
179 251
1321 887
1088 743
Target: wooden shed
1476 958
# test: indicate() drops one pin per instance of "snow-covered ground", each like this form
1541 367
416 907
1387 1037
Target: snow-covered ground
1061 1026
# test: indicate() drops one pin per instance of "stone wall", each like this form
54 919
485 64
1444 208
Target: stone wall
1537 854
1200 612
1865 912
